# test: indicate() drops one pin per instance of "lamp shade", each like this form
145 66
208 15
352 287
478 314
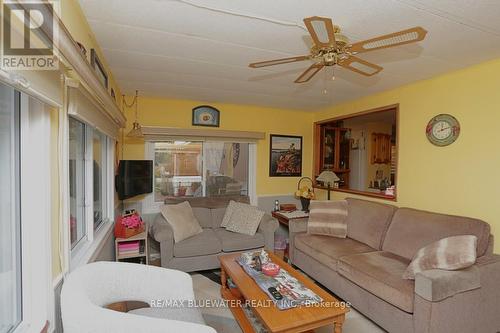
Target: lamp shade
328 178
136 131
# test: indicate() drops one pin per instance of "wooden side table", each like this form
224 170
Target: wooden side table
141 257
284 218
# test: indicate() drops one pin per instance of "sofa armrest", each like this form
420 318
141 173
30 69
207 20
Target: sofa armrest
295 226
435 285
268 225
162 232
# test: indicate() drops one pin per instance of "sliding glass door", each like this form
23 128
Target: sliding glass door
10 225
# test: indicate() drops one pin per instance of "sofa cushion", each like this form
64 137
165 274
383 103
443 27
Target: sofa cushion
202 244
328 250
380 273
245 219
451 253
412 229
367 221
233 241
328 218
217 216
182 220
226 219
204 216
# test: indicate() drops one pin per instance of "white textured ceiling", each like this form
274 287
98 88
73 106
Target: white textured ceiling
177 48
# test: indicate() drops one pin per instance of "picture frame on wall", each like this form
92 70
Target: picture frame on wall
206 115
285 156
98 67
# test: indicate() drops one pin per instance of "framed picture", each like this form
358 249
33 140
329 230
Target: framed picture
98 68
285 158
205 115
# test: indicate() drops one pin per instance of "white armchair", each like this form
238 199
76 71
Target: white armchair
90 288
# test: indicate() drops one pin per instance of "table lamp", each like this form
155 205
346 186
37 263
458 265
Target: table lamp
328 178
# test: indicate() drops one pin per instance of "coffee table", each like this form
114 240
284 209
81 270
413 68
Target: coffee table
298 319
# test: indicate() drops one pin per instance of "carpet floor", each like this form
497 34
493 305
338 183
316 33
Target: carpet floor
207 287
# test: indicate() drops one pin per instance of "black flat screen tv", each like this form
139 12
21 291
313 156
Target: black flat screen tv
134 177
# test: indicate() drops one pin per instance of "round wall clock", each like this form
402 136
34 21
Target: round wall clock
442 130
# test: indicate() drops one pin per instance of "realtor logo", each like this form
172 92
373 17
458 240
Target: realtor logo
28 35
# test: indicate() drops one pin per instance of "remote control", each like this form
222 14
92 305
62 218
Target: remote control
275 293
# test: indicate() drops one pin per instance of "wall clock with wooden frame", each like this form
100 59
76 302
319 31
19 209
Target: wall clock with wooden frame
443 130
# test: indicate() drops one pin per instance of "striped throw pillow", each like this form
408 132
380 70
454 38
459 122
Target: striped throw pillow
328 218
451 253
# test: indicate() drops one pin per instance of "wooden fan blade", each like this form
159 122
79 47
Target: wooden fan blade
321 30
309 73
360 66
278 61
395 39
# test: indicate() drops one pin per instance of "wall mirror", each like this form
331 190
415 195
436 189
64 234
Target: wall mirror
361 150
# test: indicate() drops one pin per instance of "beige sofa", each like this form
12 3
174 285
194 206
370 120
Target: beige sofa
201 252
366 269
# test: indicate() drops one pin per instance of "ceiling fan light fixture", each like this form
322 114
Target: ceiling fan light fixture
363 67
341 39
330 47
321 32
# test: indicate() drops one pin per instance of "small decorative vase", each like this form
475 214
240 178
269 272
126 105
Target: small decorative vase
305 204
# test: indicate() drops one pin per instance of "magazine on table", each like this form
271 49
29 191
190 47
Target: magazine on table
293 291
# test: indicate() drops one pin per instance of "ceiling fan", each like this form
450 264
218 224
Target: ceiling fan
331 47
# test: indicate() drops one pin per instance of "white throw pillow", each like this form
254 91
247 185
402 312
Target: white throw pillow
228 213
245 219
182 220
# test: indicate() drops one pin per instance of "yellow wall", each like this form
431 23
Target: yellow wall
178 113
462 178
73 18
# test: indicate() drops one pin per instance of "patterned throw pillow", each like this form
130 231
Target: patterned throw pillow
228 213
245 219
451 253
182 220
328 218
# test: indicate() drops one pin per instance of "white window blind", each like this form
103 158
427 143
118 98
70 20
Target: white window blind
83 107
159 134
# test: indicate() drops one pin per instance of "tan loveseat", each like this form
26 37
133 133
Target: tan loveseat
201 251
366 269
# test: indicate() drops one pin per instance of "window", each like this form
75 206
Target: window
25 271
78 231
88 181
10 221
200 169
99 148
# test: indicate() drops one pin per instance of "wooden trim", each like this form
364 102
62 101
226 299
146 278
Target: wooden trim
156 131
361 113
357 192
316 151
